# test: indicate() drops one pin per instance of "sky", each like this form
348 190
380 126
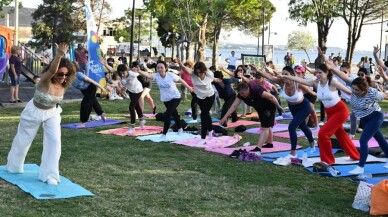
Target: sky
280 24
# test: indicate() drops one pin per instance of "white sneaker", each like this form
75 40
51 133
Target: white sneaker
289 156
142 124
357 170
180 131
351 136
52 181
130 131
210 134
321 123
201 143
386 165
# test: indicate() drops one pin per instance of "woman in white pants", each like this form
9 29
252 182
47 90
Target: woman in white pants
44 109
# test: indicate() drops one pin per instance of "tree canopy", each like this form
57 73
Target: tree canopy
298 40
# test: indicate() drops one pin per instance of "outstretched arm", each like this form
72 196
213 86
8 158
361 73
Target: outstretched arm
232 108
230 73
103 61
340 74
273 100
62 48
146 74
340 86
186 85
269 75
299 80
382 73
187 69
377 59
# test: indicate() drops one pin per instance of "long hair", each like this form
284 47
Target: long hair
324 68
362 83
64 62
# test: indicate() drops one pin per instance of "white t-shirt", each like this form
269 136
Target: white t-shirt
203 88
131 82
167 86
232 60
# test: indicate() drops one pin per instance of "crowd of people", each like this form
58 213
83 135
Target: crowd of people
253 86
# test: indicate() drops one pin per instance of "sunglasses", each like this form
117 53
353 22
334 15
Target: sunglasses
61 74
360 75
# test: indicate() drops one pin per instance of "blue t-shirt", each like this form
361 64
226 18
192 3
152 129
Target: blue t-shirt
225 91
80 82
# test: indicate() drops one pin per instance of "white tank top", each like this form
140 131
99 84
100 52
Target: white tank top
298 95
326 96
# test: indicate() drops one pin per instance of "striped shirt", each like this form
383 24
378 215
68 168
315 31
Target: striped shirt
363 106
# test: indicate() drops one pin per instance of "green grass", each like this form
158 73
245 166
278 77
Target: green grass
134 178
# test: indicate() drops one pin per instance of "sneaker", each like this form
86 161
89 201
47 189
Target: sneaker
357 170
289 156
180 131
321 123
142 124
236 153
52 181
312 146
282 161
210 134
130 131
268 145
256 150
103 117
201 143
352 136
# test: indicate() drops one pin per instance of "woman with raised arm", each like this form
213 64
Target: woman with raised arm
299 106
264 103
337 114
364 101
202 82
169 94
44 109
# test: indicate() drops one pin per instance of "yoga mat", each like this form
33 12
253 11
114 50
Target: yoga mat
277 146
148 130
213 143
298 152
170 137
375 180
376 168
344 160
92 124
145 115
276 128
190 120
371 144
29 182
299 134
241 122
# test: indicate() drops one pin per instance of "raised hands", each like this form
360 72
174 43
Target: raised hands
62 48
376 49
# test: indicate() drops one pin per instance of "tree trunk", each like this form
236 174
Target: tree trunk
99 20
307 55
172 50
217 31
202 39
322 39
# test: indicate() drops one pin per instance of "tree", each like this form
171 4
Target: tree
356 14
298 40
53 22
321 12
101 11
4 3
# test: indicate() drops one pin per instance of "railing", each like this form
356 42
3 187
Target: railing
31 61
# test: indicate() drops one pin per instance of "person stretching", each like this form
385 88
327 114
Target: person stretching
169 94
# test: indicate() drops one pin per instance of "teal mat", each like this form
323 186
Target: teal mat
344 169
29 182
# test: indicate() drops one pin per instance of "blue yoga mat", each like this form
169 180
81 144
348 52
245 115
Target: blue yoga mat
270 157
375 180
29 182
344 169
92 124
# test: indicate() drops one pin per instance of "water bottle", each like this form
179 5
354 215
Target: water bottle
304 158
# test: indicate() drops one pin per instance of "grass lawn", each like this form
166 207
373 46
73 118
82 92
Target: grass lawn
134 178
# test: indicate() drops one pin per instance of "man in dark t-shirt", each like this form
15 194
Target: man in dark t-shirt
264 103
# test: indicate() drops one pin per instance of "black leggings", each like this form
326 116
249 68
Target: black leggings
206 121
194 103
134 106
225 107
171 111
88 103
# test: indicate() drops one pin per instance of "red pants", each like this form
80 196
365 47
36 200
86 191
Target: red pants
336 116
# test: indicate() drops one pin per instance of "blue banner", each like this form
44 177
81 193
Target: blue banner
95 67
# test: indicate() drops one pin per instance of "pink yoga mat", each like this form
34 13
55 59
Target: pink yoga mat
276 128
138 132
371 144
241 122
299 134
277 146
145 115
213 143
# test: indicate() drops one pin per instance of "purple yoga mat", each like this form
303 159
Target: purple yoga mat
276 128
277 146
92 124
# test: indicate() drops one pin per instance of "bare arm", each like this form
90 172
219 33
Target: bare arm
232 108
269 75
186 85
382 73
272 99
340 74
45 77
340 86
300 80
230 73
306 89
377 59
110 69
185 68
146 74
